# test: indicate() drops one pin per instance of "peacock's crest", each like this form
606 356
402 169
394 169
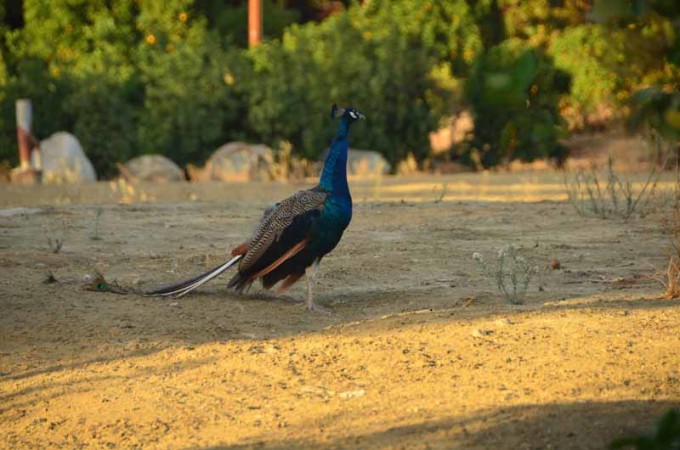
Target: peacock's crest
349 113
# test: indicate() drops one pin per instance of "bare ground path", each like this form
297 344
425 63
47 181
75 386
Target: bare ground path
592 356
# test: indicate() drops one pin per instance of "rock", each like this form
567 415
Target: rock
63 160
502 322
366 163
352 394
480 333
236 161
151 168
363 162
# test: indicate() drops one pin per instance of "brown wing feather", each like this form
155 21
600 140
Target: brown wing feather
289 254
276 219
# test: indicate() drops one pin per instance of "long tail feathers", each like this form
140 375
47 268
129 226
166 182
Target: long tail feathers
184 287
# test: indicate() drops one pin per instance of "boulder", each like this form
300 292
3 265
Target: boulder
366 163
363 163
236 161
62 160
155 168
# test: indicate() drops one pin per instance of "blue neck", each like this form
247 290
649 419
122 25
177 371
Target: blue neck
334 175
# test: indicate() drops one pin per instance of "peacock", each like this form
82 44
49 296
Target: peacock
294 234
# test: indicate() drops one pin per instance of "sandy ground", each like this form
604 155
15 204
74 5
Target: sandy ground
420 351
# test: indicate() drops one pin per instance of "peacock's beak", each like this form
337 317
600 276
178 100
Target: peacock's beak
361 116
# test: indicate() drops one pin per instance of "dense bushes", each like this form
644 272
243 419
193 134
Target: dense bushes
187 102
386 75
148 77
172 76
126 78
606 65
514 93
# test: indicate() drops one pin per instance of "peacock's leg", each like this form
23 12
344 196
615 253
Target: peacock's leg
283 288
310 273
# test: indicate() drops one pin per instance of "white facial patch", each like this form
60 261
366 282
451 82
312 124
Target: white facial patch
353 114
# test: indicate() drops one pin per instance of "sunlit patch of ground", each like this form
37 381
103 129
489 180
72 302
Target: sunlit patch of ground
420 352
484 187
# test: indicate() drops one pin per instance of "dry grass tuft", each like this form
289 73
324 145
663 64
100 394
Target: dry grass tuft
608 195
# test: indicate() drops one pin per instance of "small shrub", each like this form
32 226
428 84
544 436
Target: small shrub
50 278
609 195
670 278
55 235
510 272
440 192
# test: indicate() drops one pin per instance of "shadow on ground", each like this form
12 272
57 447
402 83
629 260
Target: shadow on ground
583 425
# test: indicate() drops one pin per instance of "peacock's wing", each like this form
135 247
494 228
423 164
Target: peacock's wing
283 232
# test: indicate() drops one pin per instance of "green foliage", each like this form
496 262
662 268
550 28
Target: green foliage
78 37
72 60
4 145
514 93
32 80
130 76
3 72
186 82
511 273
231 22
653 108
353 61
124 77
104 121
665 437
537 22
590 57
653 30
447 30
606 64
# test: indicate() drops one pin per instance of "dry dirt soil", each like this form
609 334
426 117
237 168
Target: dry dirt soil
420 351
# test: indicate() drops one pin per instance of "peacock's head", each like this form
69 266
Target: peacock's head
347 114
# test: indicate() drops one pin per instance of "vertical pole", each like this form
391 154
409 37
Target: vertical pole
254 22
24 121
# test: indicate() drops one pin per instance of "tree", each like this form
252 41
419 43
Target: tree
71 59
187 83
514 93
347 59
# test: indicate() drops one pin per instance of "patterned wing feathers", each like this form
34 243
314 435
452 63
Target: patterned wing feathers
280 260
276 220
